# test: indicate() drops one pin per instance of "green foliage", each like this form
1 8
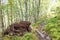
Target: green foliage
6 37
37 23
42 18
27 36
53 28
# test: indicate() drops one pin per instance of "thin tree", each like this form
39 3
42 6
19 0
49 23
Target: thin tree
20 4
38 9
11 10
1 17
34 11
25 2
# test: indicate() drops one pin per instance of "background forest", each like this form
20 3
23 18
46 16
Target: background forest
38 12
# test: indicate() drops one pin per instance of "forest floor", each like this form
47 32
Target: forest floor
40 29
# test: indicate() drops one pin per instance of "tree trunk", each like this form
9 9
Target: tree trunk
21 10
1 22
34 11
26 18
